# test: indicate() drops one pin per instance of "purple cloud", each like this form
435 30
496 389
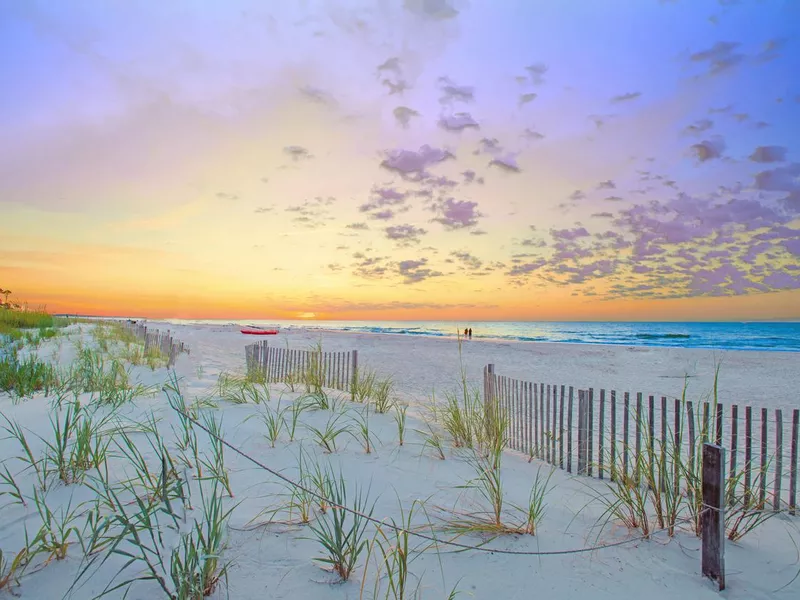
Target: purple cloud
768 154
451 92
383 196
383 215
403 115
507 162
526 268
458 122
708 149
720 57
414 271
358 226
404 234
467 260
457 214
536 72
784 179
409 161
698 127
626 97
793 246
569 234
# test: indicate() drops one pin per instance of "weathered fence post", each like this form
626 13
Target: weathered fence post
583 431
712 519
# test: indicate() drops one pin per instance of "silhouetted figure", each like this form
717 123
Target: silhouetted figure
466 332
470 333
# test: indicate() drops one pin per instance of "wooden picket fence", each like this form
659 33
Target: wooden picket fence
605 434
336 370
153 338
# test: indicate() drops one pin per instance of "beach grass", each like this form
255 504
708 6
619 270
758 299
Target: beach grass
341 532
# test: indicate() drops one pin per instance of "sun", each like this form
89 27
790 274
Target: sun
306 315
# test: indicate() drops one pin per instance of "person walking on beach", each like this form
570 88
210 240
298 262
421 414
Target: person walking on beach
470 333
466 332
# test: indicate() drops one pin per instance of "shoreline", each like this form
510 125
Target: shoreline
422 365
485 339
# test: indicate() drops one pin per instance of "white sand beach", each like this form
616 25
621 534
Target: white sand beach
276 560
422 364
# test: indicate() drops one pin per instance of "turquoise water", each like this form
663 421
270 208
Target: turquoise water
724 336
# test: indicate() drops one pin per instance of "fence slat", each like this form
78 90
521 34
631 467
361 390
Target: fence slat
793 466
678 433
521 416
651 436
547 426
748 452
561 428
522 419
662 465
601 424
718 429
636 474
535 400
528 420
734 448
569 431
692 433
613 437
626 438
590 441
762 493
541 422
776 500
583 424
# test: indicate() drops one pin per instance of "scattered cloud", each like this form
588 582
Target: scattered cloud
531 134
357 226
415 271
698 127
506 162
317 95
451 92
467 260
626 97
404 235
403 115
456 214
536 72
708 149
458 122
768 154
297 153
720 57
409 162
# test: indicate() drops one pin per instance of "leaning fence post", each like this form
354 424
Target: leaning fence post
712 518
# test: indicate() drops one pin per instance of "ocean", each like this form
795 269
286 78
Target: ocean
765 336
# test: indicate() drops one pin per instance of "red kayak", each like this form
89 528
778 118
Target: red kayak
259 331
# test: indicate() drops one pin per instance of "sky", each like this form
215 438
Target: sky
402 159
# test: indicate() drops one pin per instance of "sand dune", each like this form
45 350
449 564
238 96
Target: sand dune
276 560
